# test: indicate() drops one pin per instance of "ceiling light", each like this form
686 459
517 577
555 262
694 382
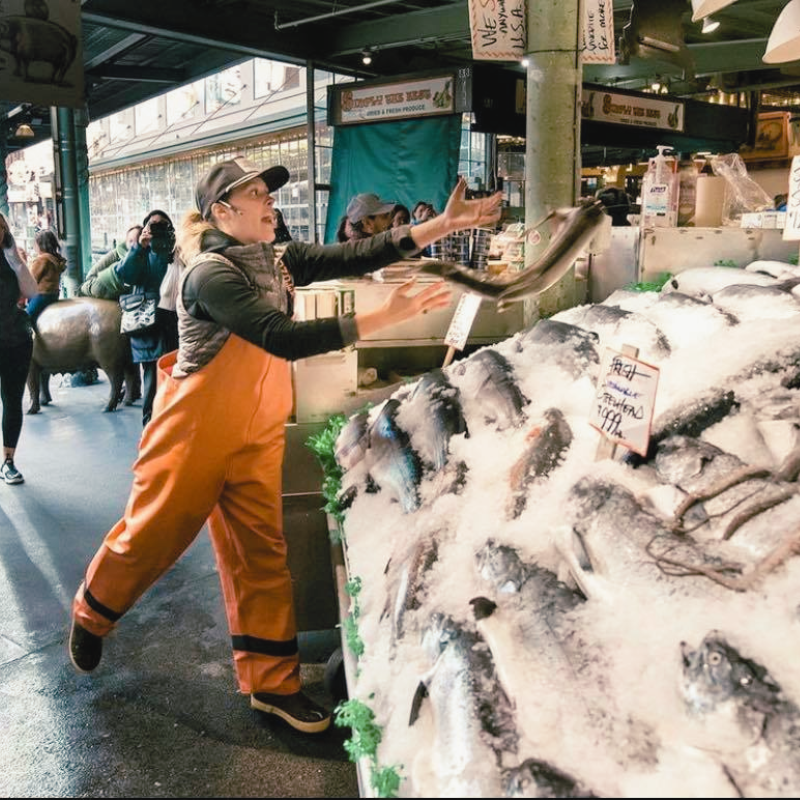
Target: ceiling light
705 8
24 131
784 41
709 25
366 58
526 61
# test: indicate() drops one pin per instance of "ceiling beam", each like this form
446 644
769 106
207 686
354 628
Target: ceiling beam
144 74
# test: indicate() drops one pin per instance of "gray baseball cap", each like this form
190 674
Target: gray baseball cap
224 176
367 205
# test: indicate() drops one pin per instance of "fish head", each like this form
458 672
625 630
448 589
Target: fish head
716 674
501 566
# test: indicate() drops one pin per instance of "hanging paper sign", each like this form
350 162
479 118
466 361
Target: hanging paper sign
498 29
626 393
598 32
41 57
461 324
791 231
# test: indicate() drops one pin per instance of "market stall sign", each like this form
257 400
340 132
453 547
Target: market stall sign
598 32
417 98
626 393
498 29
625 109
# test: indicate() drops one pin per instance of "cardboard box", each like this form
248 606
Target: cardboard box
323 383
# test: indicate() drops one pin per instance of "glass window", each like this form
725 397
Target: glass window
184 103
147 116
224 89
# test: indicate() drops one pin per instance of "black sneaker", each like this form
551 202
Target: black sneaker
10 473
85 649
300 711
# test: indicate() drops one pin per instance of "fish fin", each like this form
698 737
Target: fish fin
482 607
416 704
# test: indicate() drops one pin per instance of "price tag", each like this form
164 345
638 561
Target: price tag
626 393
461 324
791 231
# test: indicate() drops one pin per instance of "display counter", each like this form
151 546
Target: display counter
330 383
643 254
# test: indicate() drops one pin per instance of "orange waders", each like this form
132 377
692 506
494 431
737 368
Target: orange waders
213 451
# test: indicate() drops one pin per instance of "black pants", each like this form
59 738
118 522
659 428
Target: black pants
14 363
149 376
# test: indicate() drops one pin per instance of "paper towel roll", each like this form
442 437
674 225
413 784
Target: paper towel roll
708 205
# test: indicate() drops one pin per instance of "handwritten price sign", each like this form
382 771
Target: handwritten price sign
791 232
467 309
623 408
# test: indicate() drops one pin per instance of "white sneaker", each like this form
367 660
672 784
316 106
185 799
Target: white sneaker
9 473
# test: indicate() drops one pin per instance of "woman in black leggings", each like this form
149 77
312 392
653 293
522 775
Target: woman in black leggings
16 346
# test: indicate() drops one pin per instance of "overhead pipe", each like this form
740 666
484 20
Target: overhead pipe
330 14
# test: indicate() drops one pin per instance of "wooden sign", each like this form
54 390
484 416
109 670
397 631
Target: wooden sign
626 393
41 53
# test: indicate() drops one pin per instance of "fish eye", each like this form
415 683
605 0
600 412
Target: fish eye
714 659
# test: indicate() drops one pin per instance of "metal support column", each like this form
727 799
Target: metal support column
311 138
67 198
5 210
82 169
552 162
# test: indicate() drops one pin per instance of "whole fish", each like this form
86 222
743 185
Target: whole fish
434 415
570 346
392 463
748 303
474 729
549 664
752 725
547 444
487 378
352 442
576 228
406 582
704 281
615 326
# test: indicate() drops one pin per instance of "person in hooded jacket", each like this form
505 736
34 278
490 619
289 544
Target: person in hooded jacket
214 448
46 267
144 268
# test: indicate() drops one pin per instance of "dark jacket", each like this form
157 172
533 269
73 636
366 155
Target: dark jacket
15 325
144 269
212 292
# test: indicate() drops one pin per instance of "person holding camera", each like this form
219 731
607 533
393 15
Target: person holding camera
144 268
16 346
214 448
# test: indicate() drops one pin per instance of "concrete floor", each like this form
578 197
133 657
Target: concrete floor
161 716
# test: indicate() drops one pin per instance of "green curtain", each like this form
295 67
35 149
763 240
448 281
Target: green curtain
403 162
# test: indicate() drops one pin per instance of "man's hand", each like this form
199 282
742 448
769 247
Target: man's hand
462 213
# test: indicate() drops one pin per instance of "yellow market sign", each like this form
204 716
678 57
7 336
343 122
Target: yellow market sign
417 98
625 109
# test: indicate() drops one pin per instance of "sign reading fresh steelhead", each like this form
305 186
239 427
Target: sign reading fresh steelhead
625 109
419 98
498 29
598 32
41 59
626 394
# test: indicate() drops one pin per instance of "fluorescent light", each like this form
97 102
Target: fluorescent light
784 41
709 25
705 8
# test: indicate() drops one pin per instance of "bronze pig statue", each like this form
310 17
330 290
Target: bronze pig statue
78 334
